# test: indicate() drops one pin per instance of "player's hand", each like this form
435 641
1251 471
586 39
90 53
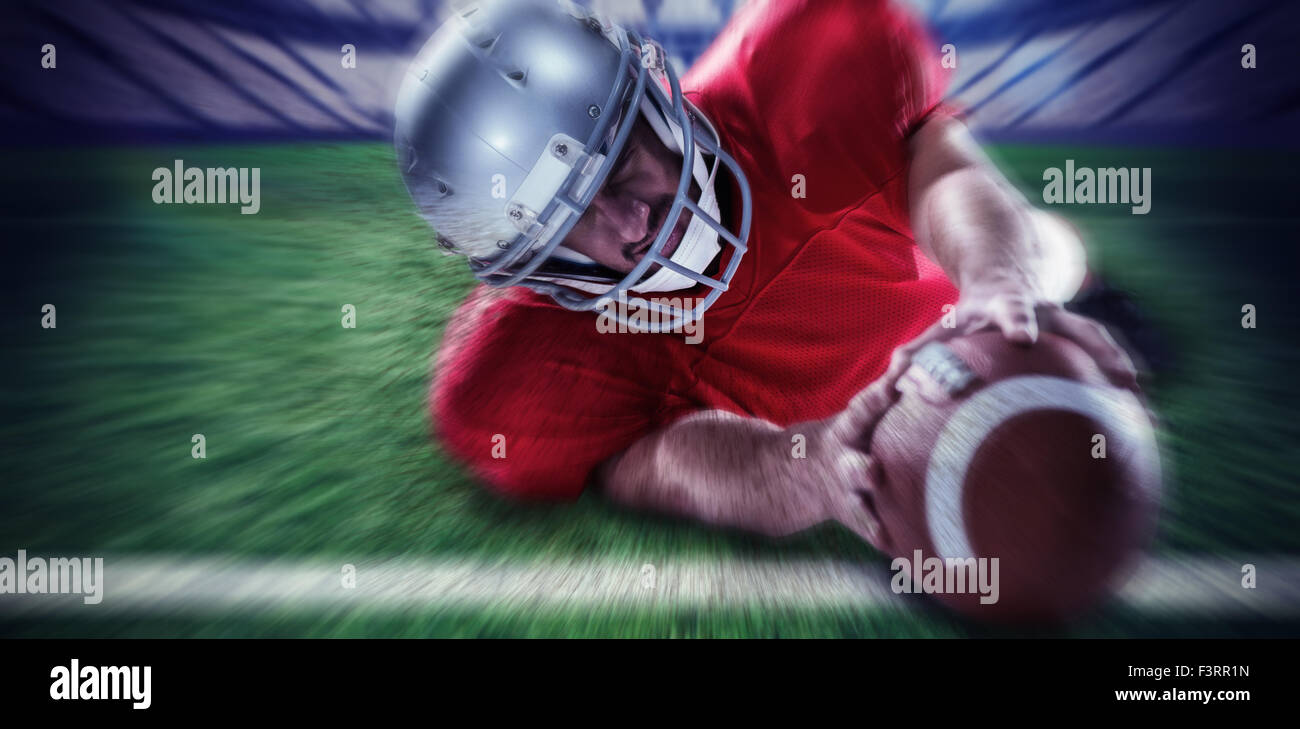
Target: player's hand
1020 314
852 475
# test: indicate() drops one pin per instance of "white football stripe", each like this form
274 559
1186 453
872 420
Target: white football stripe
1117 411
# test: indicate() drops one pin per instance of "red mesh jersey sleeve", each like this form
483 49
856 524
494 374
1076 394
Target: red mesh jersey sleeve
531 397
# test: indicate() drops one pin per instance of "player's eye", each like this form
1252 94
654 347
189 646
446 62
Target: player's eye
621 164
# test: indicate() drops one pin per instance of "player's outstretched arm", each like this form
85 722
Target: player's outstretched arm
969 219
1013 264
746 473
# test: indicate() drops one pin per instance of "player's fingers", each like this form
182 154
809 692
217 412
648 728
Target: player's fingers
856 471
1099 344
975 323
855 514
1014 315
850 476
902 357
859 417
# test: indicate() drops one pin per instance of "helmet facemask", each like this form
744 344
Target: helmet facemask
562 179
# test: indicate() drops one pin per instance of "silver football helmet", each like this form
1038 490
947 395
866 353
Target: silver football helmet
507 124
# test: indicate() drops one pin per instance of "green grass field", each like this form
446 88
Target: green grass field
175 320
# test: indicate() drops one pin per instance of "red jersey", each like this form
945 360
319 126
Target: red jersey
532 397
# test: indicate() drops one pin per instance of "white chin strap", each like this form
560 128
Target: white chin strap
699 245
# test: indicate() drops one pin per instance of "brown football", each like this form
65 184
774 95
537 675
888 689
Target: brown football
1025 455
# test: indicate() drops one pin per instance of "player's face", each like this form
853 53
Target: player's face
626 215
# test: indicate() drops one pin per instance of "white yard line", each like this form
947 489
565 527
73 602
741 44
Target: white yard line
149 584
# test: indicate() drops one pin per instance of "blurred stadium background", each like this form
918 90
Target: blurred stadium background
174 320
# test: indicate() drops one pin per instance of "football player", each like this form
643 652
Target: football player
802 196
